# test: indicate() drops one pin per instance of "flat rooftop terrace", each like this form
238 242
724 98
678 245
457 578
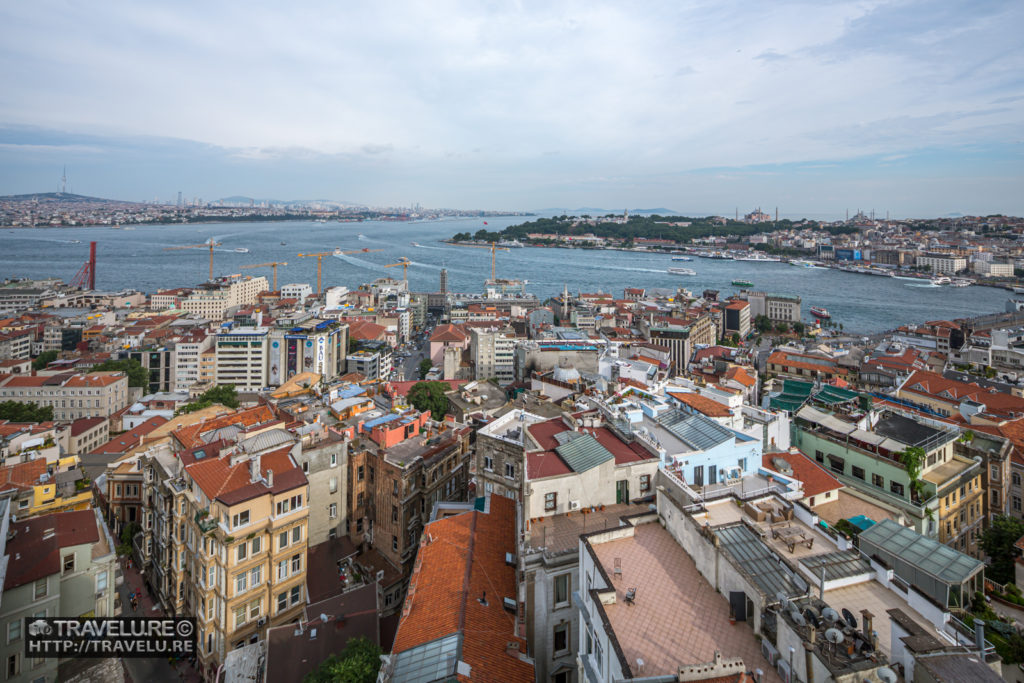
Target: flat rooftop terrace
561 533
677 617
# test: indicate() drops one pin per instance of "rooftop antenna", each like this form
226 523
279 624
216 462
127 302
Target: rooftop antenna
64 180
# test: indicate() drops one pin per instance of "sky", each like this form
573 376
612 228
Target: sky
816 107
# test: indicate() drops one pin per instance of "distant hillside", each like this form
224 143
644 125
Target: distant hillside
246 201
60 197
594 211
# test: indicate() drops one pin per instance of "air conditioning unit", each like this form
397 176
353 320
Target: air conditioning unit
574 505
261 623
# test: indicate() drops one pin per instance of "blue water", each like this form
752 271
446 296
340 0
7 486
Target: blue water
136 259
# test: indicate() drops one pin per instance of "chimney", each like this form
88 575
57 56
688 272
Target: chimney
867 618
254 469
979 636
270 479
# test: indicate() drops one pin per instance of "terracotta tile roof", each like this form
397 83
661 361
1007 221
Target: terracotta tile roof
544 434
95 379
465 561
817 363
739 374
82 425
130 439
366 330
33 556
22 475
232 484
952 391
702 404
189 435
449 332
540 464
816 479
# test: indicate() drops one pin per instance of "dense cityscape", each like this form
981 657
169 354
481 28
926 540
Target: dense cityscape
489 485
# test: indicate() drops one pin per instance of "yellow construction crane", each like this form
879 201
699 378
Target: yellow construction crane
337 252
210 243
404 262
492 246
272 264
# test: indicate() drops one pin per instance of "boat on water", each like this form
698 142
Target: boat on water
802 264
682 271
820 312
283 243
241 250
681 258
742 283
941 280
512 244
130 227
756 257
361 236
416 244
962 283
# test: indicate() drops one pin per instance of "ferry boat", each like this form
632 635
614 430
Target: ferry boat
682 271
742 283
820 312
514 244
415 244
241 250
756 257
962 283
941 280
802 264
681 258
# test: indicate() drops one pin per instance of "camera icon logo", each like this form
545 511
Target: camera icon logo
40 628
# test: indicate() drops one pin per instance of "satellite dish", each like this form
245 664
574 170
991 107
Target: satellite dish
886 675
850 619
830 615
834 636
783 600
810 616
797 618
813 610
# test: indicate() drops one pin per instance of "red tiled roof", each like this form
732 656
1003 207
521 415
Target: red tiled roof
739 374
82 425
540 464
22 475
544 434
702 404
188 435
816 479
232 484
816 363
449 332
130 439
465 561
937 387
33 556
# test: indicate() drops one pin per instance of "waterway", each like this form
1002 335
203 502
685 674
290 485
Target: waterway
137 259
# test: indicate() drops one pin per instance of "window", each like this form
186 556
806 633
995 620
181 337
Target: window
40 588
69 563
296 534
359 473
239 616
394 513
334 484
256 545
13 665
488 463
896 488
394 487
562 588
296 594
394 543
255 607
645 483
550 501
13 630
296 563
819 456
333 510
241 582
510 470
561 639
241 552
1016 503
256 576
241 519
282 570
101 582
282 600
334 459
878 480
282 540
1016 478
857 472
994 473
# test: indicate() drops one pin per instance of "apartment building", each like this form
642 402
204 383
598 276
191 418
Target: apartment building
158 362
242 354
493 354
72 396
681 336
16 345
865 453
227 537
776 307
737 318
499 455
805 366
188 354
59 564
398 479
318 346
941 263
213 300
323 458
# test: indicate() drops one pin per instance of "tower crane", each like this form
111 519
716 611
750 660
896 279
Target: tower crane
337 252
209 244
492 246
272 264
404 262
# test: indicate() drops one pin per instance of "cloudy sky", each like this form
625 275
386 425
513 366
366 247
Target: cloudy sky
814 107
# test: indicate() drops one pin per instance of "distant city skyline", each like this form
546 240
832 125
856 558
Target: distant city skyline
916 108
